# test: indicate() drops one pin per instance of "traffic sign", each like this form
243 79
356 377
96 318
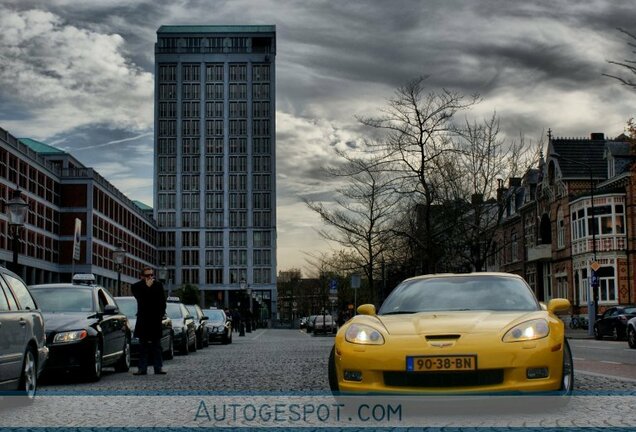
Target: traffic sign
333 286
355 281
595 266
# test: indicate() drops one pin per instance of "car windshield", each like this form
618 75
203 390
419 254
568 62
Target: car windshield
458 293
193 311
173 310
127 306
319 318
62 299
215 315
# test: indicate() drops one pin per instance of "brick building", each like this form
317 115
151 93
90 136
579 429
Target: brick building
576 209
59 189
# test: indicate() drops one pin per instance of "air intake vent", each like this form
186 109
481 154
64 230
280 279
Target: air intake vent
442 337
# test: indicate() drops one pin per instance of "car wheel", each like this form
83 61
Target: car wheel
616 334
29 377
631 337
597 334
193 348
567 380
186 347
123 364
206 340
169 354
229 337
333 374
94 368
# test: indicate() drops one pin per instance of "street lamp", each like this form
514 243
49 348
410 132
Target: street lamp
592 295
17 208
119 254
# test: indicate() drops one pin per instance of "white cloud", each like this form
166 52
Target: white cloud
67 77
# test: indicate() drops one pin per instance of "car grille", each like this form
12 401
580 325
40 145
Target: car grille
444 379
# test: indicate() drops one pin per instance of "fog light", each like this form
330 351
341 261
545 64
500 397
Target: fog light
352 375
534 373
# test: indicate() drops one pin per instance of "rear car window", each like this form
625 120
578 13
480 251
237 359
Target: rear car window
21 292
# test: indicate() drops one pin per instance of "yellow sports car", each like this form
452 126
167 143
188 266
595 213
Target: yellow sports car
455 333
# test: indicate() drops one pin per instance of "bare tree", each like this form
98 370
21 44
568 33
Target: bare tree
472 176
359 219
418 127
627 65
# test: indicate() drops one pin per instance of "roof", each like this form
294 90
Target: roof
217 29
577 156
40 147
619 149
142 206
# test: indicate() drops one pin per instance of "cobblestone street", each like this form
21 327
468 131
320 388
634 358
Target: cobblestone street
266 360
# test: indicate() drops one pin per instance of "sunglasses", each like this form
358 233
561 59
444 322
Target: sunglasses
148 275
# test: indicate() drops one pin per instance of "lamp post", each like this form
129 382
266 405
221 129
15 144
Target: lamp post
119 254
17 208
592 295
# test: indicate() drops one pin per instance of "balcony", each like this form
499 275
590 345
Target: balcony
540 252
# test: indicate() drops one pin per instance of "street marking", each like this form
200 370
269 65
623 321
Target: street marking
610 362
578 358
259 335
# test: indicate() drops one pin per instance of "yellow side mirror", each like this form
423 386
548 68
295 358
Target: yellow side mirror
366 309
558 305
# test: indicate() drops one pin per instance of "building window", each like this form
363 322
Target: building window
190 276
238 219
214 219
237 275
214 239
214 72
214 109
607 285
514 248
238 257
238 72
214 257
547 281
262 238
214 276
190 219
560 230
561 287
238 239
190 238
262 275
214 201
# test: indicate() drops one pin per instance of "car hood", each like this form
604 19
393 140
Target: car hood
216 323
61 321
440 323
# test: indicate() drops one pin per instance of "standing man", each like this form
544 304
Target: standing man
151 307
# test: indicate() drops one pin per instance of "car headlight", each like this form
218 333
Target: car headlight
529 330
70 336
362 334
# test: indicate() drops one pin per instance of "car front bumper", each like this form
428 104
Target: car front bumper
501 367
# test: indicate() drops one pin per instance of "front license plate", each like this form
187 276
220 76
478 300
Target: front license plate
441 363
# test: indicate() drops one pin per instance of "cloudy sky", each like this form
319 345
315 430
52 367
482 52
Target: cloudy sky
78 74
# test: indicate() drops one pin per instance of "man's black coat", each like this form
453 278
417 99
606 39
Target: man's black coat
151 307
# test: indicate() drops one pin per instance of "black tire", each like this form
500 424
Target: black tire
206 338
597 334
572 325
193 348
94 368
186 347
27 385
567 377
123 364
331 369
169 353
631 337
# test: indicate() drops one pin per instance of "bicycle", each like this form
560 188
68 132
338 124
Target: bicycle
578 322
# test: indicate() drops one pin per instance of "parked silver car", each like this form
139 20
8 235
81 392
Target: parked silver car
23 350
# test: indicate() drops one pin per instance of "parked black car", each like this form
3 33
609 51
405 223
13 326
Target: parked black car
84 328
128 306
631 333
219 326
185 337
23 350
613 322
200 321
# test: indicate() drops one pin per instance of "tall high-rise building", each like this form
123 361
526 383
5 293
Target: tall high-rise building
214 179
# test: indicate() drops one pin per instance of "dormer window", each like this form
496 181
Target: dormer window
611 166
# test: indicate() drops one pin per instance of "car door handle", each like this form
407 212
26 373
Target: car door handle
22 322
